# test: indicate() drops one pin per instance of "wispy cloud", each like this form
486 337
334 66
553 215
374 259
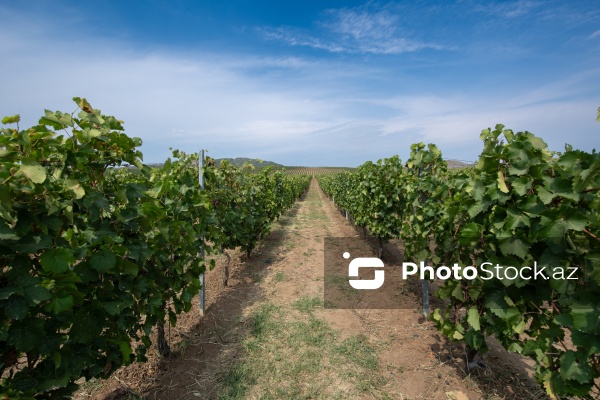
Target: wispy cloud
519 8
511 9
594 35
559 14
296 37
365 29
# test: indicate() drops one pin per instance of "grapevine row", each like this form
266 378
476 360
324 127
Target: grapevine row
520 205
93 256
315 171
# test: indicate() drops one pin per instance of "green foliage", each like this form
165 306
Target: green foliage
66 229
525 205
372 194
520 205
91 254
245 204
423 184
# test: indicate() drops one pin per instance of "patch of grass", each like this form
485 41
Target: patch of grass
308 304
358 350
237 382
339 281
362 357
279 277
313 332
264 320
300 359
317 216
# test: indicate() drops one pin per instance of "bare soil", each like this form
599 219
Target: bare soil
413 360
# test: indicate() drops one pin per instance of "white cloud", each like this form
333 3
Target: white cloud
364 29
520 8
510 9
295 37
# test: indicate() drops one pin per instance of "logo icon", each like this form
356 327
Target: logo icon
365 262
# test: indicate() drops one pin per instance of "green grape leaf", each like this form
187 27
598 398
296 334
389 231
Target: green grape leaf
514 245
545 195
57 260
6 233
86 327
128 268
473 318
572 368
470 232
26 336
37 294
456 335
587 341
6 153
103 261
15 307
585 319
76 188
8 291
475 209
501 183
558 227
11 120
522 185
33 171
60 304
125 351
57 358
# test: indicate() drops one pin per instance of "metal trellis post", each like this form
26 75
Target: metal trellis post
202 289
424 282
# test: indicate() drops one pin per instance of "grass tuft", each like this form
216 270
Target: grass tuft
308 304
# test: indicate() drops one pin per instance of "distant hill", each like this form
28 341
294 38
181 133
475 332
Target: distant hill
455 164
151 165
238 162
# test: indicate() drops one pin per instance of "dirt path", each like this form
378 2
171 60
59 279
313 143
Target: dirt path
268 336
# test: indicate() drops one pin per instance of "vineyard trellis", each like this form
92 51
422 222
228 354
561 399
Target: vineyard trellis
94 256
520 204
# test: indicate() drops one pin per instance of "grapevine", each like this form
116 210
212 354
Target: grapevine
520 205
95 255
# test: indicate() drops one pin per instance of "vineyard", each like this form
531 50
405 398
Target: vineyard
93 257
316 171
99 260
520 205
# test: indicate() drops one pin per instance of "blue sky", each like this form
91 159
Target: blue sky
310 83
